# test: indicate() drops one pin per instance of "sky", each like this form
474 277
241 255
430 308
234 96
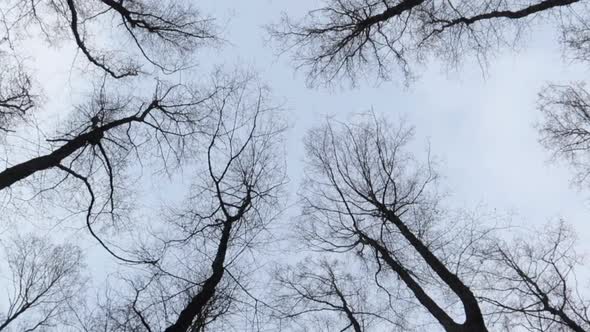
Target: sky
479 124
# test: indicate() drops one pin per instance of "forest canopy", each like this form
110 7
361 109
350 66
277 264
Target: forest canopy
148 185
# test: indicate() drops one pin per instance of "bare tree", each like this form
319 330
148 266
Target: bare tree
43 279
163 32
197 279
344 38
313 291
535 282
365 193
226 123
245 174
116 127
16 98
110 134
369 199
565 124
109 122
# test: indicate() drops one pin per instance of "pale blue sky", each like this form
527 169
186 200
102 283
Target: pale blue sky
480 127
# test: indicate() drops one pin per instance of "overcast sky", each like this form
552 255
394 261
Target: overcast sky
480 126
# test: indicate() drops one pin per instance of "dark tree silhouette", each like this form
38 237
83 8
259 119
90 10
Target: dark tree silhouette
366 195
16 98
535 282
43 278
565 124
345 38
197 279
164 33
193 266
161 27
174 113
245 174
225 122
311 292
373 197
112 132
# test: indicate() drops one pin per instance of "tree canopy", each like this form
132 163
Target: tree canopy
158 196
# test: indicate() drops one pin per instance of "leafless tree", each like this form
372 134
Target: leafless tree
565 123
344 38
109 121
199 277
178 280
16 98
88 162
367 198
245 174
43 279
318 290
118 125
164 33
365 194
535 282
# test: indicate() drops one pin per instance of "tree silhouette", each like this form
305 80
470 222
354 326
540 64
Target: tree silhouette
350 38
